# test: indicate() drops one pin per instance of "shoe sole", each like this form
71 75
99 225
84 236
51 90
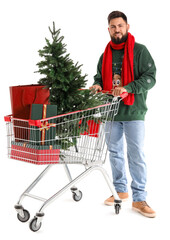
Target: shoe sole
112 203
150 215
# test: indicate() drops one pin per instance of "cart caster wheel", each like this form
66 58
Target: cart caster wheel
77 197
33 225
117 208
25 218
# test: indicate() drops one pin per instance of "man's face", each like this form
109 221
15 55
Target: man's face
118 30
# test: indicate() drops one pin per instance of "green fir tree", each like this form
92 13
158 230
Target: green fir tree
64 78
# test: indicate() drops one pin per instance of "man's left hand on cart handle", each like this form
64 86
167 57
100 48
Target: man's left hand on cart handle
117 91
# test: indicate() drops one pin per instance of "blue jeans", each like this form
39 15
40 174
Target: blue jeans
134 132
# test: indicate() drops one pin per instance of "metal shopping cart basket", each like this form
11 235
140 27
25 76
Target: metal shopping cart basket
80 138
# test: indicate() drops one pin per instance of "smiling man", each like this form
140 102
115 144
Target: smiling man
118 30
135 66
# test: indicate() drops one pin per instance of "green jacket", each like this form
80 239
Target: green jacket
144 79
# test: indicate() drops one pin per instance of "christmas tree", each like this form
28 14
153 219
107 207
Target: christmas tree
64 78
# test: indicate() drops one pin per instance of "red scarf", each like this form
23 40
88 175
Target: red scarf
127 74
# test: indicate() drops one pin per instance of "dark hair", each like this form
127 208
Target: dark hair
116 14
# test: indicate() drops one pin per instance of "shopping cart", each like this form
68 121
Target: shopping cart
80 138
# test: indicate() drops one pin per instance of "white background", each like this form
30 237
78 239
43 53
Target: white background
23 28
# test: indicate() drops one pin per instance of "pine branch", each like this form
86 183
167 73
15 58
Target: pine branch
64 80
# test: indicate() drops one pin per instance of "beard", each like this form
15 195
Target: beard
119 40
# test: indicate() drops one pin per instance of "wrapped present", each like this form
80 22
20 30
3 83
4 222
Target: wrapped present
46 132
92 128
27 152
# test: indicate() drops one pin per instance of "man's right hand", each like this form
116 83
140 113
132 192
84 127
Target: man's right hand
96 88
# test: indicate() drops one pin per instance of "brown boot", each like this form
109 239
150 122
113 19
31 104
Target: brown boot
143 208
122 195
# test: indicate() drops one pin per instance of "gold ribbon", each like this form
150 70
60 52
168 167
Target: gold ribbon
45 125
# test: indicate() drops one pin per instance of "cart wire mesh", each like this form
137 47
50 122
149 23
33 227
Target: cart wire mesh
74 138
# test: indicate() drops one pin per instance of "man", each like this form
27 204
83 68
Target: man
133 60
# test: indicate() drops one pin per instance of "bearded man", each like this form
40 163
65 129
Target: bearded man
137 70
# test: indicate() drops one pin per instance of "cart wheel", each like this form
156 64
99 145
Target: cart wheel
26 216
77 197
117 208
33 225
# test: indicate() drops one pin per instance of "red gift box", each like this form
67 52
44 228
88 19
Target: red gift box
35 154
93 128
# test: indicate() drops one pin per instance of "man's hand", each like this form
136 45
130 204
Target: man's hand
117 91
95 88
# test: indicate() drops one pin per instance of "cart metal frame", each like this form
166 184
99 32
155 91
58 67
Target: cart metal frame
92 159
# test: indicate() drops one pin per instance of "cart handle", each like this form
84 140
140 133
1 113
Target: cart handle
123 95
8 118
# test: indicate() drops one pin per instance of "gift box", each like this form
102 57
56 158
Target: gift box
92 128
35 154
41 147
46 132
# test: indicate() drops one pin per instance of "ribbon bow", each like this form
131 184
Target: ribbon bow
46 125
